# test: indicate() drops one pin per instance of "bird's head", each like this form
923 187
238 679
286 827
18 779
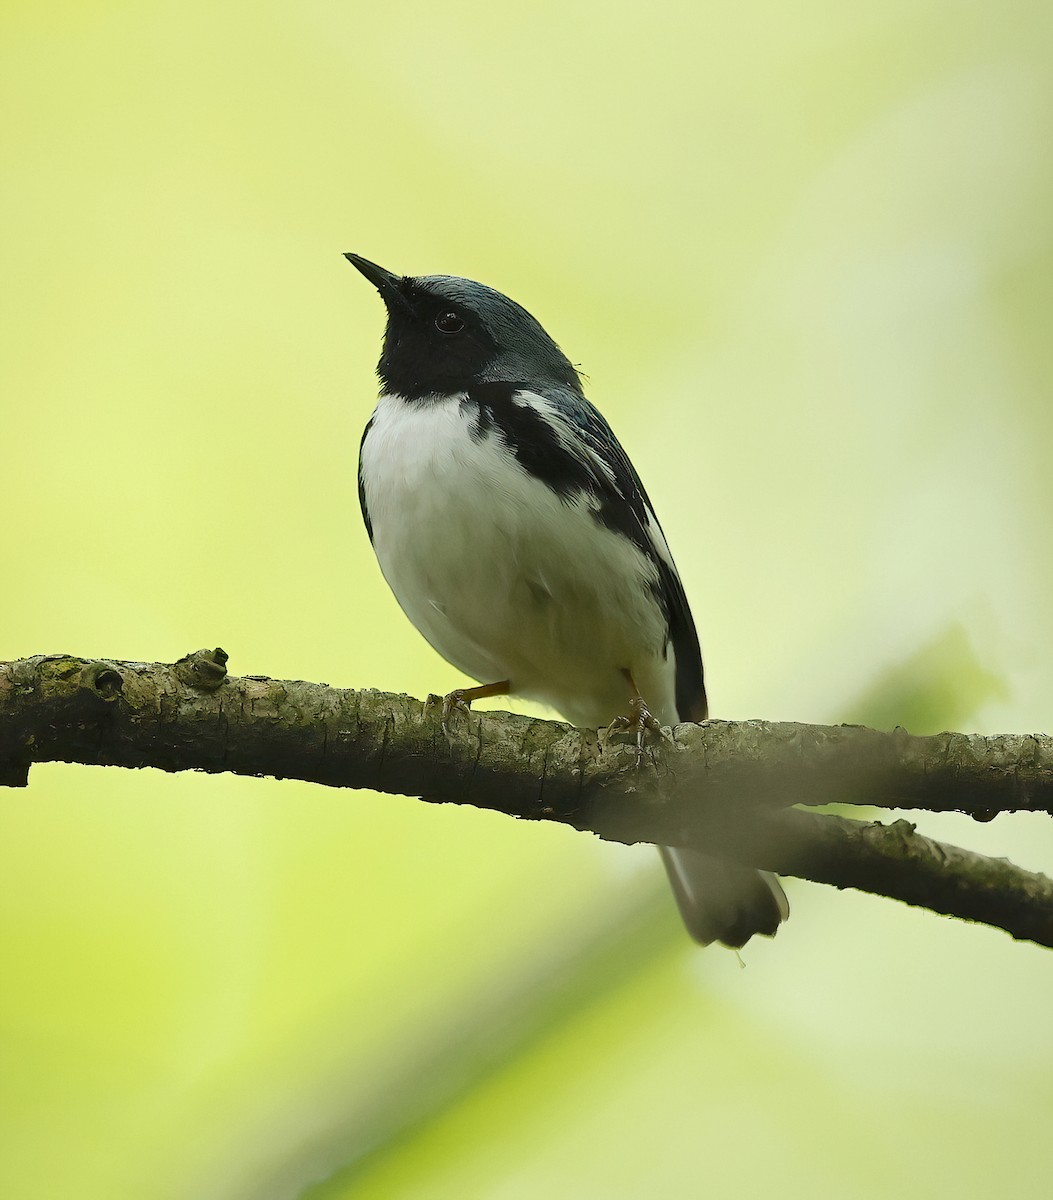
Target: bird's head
445 334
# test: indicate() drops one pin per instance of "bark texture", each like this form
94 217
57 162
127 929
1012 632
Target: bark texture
726 787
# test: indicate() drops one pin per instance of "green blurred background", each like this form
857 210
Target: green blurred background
803 253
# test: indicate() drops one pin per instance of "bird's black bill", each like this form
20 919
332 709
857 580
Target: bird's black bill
385 282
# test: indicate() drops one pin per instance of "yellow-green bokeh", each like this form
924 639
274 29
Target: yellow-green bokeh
802 252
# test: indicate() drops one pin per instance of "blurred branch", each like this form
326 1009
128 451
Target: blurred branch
724 787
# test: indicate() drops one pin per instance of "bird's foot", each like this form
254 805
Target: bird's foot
641 724
460 700
455 701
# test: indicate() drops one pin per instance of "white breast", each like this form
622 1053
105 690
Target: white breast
502 577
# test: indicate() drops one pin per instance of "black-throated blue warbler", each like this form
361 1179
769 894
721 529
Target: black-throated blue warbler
518 538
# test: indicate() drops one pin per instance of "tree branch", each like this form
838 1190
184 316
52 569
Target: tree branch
725 787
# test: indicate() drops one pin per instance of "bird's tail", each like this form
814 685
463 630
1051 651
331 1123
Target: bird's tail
720 902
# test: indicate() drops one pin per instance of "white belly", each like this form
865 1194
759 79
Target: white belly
503 578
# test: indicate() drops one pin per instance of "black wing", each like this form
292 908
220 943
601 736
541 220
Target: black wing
567 444
361 484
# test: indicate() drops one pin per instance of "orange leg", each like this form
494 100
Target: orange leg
460 699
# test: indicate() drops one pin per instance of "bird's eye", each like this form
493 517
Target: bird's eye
448 322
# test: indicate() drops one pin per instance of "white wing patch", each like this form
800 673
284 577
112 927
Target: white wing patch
573 443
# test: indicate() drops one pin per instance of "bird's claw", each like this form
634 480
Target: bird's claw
639 722
452 702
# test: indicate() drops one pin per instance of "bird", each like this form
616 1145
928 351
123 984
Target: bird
517 537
